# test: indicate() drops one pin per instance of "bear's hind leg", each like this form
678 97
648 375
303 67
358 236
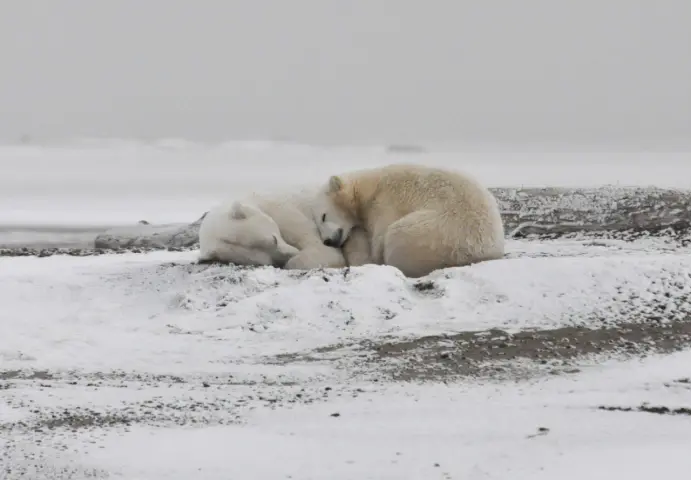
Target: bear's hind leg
418 244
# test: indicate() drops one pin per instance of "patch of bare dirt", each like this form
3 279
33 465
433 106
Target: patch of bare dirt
495 353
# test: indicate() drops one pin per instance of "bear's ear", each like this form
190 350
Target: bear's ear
335 184
239 211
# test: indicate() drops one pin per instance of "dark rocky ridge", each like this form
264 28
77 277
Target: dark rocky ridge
563 210
524 210
546 213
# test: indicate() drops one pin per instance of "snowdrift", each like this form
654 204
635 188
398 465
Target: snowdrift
163 312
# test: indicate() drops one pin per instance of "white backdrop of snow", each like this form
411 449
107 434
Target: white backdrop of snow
122 182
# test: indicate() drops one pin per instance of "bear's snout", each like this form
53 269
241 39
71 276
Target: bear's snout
336 239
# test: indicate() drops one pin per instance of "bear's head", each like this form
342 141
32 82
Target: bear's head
334 212
244 235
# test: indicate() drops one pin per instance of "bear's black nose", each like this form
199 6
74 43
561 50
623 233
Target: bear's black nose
336 239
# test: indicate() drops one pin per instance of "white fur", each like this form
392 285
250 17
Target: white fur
241 233
276 229
416 218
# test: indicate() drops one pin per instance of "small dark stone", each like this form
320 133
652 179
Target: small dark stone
424 286
205 384
335 414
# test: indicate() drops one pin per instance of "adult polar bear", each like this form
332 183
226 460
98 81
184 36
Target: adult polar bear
273 229
418 219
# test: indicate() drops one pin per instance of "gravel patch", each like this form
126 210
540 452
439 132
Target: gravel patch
496 354
660 410
85 252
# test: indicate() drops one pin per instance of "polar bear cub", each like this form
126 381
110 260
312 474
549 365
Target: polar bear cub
243 234
272 229
416 218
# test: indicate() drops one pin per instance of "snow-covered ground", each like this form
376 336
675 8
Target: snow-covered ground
460 431
146 366
139 312
552 427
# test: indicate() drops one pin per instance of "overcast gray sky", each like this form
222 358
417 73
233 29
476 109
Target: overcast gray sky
358 71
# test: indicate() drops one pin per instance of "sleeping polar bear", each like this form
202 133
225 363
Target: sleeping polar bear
276 229
416 218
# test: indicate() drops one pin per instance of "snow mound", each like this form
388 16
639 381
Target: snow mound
163 312
377 301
